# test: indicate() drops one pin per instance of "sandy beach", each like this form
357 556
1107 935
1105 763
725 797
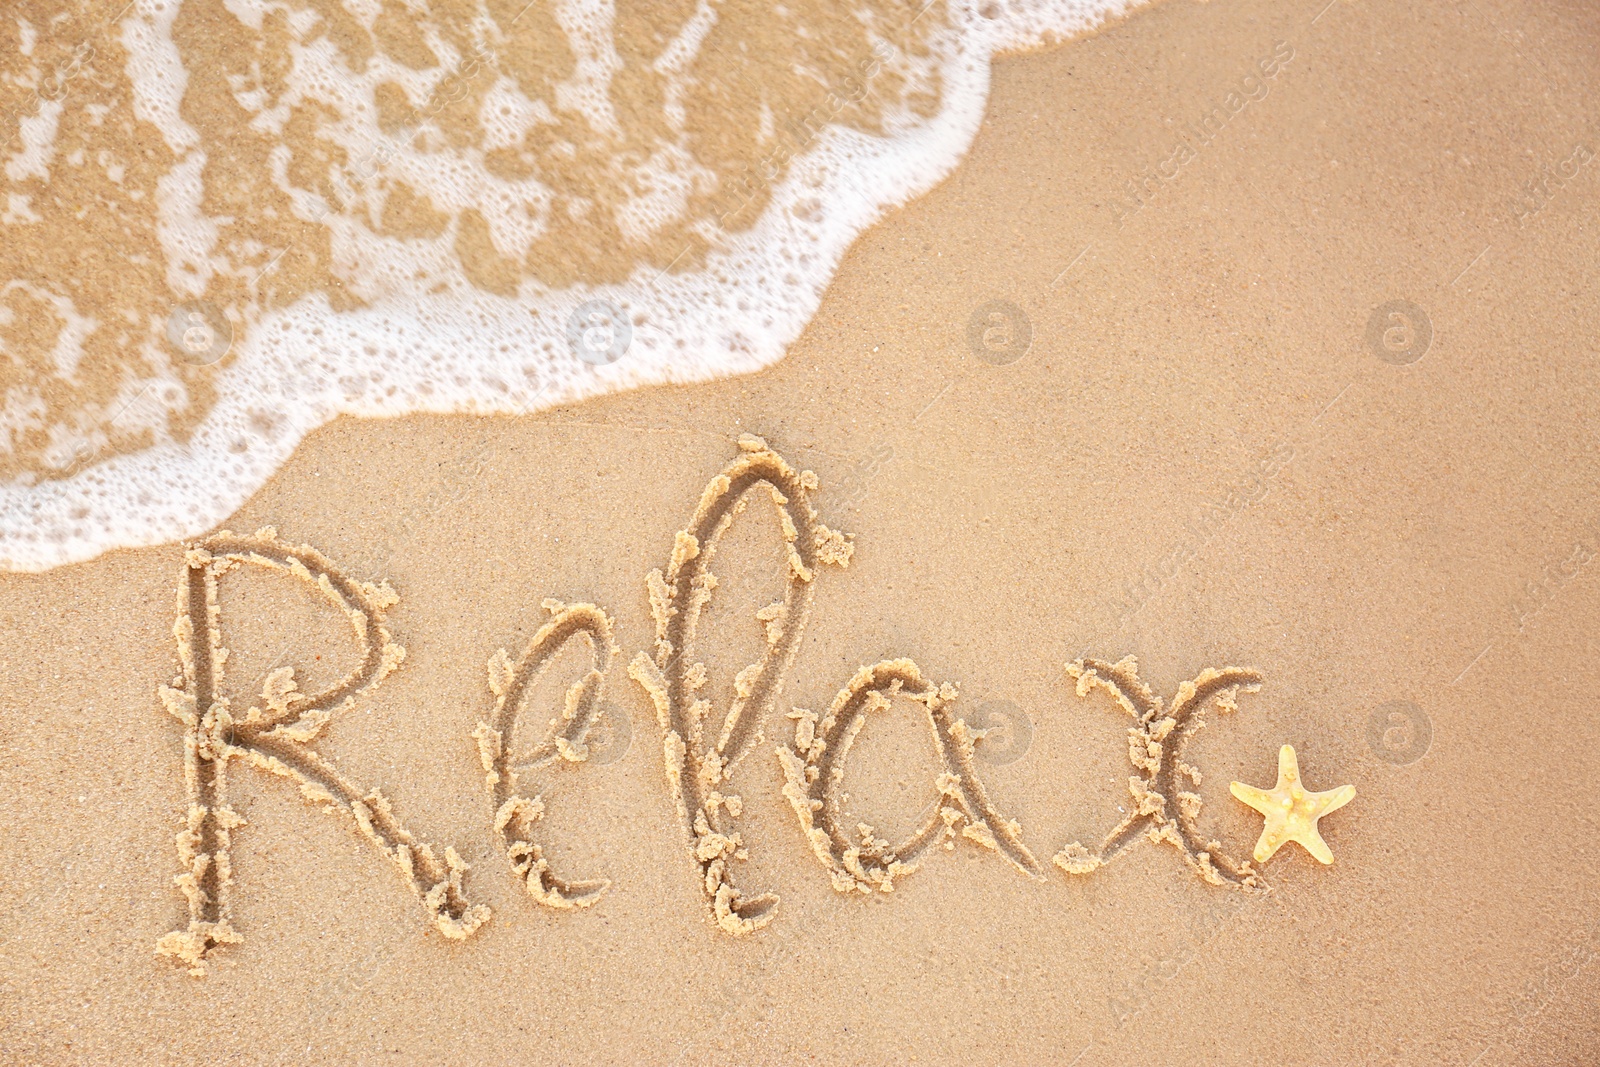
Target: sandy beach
1248 335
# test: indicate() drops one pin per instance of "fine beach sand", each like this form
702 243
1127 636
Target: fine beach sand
1204 459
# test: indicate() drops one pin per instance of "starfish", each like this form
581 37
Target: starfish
1290 811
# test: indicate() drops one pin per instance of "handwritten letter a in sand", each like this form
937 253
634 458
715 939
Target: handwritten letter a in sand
275 737
814 769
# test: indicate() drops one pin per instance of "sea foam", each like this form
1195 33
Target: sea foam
171 445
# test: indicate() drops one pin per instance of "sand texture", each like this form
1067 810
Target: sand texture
882 706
